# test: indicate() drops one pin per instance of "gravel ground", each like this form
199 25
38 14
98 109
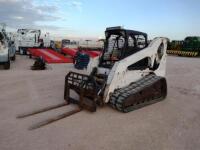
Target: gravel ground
172 124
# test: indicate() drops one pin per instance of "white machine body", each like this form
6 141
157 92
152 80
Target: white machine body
119 76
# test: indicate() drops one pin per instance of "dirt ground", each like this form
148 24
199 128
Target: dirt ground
173 124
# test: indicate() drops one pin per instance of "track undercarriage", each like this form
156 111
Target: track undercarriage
148 90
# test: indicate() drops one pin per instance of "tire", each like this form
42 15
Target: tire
7 65
13 58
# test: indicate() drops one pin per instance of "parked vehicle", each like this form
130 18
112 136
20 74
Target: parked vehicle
7 48
30 38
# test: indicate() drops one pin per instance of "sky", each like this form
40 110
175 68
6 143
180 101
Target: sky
174 19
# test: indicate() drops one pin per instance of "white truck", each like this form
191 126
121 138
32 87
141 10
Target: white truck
7 48
30 38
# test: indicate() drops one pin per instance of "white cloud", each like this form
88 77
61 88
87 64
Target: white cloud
77 4
17 13
47 15
9 0
18 17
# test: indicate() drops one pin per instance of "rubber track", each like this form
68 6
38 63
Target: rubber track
120 95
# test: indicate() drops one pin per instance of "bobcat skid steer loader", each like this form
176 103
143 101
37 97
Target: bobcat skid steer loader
129 74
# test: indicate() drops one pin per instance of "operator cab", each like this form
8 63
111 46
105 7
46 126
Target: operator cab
121 43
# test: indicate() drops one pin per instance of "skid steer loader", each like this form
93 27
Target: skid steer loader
129 74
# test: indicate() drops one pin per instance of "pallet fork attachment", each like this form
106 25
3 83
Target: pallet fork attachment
41 110
50 120
86 87
89 92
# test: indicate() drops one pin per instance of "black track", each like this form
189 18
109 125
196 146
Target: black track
148 90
